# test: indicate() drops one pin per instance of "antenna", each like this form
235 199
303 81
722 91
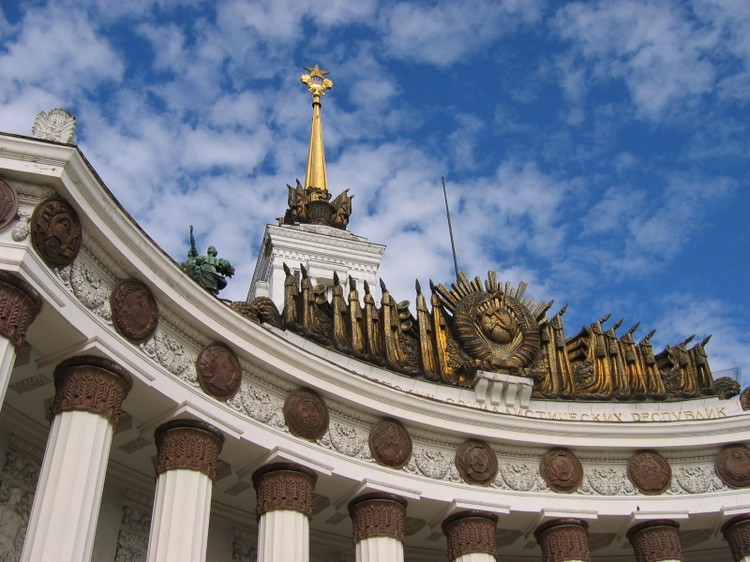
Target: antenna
450 228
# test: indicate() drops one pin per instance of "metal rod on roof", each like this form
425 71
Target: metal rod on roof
450 228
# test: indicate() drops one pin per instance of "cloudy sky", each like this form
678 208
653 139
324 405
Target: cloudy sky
596 150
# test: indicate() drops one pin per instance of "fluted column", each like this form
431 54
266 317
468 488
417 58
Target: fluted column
564 540
19 305
378 527
188 452
736 532
656 541
284 508
88 395
471 536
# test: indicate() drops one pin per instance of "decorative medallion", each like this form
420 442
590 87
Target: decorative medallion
476 462
745 399
733 466
134 311
561 470
56 232
8 204
390 443
219 371
306 414
493 326
649 472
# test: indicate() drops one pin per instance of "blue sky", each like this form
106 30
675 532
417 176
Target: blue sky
596 150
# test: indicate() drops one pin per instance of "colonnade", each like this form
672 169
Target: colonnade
89 392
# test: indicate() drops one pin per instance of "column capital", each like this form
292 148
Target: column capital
19 305
189 445
92 384
377 514
658 539
284 486
470 531
736 532
563 539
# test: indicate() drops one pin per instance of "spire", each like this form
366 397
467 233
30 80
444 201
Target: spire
316 177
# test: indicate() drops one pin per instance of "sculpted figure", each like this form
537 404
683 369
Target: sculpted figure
209 271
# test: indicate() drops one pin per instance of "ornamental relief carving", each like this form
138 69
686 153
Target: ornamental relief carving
347 440
521 477
262 406
88 287
168 352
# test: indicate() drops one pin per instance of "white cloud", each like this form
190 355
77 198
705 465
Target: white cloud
59 50
447 32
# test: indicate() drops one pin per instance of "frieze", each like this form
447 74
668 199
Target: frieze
170 354
89 288
262 406
347 440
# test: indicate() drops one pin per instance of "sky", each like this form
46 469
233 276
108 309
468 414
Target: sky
598 151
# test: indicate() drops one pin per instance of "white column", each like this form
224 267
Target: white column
284 494
186 466
378 527
471 536
62 524
564 540
7 360
19 305
283 535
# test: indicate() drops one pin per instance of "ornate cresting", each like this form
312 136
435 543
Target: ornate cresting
310 203
476 326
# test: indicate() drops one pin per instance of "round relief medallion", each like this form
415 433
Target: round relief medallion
745 399
219 371
8 204
649 472
733 466
476 462
56 232
390 443
306 414
134 311
561 470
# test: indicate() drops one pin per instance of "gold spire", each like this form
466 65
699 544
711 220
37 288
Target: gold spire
316 177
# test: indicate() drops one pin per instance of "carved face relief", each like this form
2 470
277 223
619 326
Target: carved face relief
477 462
134 311
219 371
649 472
390 443
56 232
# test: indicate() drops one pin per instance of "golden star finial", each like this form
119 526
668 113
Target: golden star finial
316 71
316 84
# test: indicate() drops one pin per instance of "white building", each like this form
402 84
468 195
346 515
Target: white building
273 444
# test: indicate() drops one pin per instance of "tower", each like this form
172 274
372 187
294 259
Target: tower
313 231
